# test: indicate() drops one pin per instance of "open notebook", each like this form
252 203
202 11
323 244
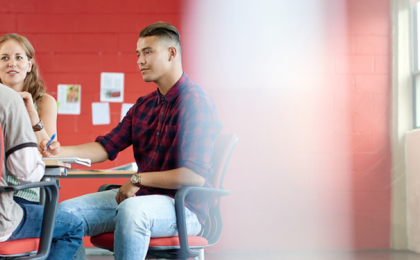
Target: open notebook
72 160
126 167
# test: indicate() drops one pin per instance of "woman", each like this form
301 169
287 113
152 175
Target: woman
18 70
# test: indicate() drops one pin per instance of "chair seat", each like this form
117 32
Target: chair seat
19 246
106 240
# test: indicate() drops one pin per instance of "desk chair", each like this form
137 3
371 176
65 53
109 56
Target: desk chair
39 248
184 246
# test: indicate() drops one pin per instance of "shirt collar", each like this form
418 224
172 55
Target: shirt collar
174 91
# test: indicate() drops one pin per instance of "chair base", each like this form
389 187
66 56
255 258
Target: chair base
199 257
162 247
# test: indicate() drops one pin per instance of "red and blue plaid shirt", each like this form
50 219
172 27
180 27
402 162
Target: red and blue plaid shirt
169 132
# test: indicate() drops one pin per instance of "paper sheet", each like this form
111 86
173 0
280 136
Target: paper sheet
112 87
124 109
100 113
68 99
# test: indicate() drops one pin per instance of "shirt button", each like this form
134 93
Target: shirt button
161 114
157 133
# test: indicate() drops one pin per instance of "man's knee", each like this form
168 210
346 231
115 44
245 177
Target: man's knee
67 206
130 214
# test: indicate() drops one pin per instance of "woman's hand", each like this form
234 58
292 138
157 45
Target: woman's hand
29 104
52 151
27 98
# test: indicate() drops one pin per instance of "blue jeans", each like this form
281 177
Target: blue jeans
133 222
67 234
23 201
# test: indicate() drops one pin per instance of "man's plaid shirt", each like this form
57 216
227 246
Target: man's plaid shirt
169 132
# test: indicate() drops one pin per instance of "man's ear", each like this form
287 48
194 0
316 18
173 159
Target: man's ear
173 52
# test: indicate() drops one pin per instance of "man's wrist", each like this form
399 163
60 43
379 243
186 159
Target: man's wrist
136 180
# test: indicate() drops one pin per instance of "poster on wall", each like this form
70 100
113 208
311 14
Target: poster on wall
100 113
124 109
112 87
68 99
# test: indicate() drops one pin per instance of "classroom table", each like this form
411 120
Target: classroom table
58 169
98 174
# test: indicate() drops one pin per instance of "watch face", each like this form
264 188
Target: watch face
38 127
135 178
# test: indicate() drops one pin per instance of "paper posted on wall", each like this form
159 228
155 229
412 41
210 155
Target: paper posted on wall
124 109
68 99
101 113
112 87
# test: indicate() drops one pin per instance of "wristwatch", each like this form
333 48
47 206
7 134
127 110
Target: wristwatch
136 180
38 127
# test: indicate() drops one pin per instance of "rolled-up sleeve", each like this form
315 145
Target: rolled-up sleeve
26 164
118 138
22 159
200 129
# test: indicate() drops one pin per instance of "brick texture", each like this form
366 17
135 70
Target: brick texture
74 42
326 183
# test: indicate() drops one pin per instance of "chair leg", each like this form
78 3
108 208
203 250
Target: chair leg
201 254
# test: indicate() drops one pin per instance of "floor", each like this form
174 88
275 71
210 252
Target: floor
360 255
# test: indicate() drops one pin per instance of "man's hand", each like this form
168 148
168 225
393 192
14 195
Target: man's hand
127 190
52 151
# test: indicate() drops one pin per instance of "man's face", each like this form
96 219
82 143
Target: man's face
153 58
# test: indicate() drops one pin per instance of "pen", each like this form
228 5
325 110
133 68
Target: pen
52 138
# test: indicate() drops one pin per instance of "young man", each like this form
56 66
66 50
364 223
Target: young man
23 161
173 131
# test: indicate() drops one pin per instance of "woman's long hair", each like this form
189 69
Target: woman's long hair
33 82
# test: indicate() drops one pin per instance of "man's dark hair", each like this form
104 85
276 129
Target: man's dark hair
165 31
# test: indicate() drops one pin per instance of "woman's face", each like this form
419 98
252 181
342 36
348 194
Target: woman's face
14 64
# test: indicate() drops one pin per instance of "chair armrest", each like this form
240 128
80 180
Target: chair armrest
180 196
50 208
26 186
108 187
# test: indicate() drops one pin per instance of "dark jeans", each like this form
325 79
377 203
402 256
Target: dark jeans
67 236
23 201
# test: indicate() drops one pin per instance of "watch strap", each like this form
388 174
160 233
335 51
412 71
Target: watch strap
38 126
138 183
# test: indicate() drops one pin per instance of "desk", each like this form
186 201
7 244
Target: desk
55 172
58 169
98 174
55 168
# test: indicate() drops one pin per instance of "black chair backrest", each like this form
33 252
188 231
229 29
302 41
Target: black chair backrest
221 155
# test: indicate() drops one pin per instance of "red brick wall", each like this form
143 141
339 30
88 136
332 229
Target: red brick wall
74 42
77 40
312 167
369 35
